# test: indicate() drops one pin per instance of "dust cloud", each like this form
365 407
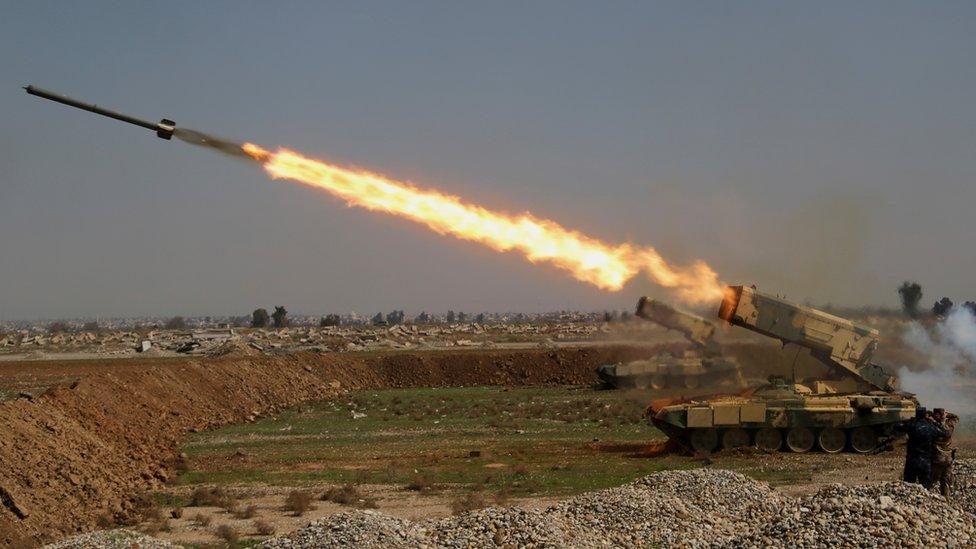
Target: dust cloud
950 350
200 139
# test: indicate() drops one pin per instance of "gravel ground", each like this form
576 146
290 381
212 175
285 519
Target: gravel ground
892 514
700 508
111 539
965 484
703 508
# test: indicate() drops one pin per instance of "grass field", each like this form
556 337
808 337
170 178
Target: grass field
521 441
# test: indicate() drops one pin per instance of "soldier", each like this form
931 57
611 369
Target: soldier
944 453
922 433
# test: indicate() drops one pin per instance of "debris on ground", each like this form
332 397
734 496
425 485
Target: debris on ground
698 508
111 539
695 508
359 337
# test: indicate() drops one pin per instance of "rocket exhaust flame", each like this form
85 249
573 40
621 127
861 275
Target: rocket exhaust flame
606 266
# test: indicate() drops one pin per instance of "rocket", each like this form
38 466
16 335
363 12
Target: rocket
164 128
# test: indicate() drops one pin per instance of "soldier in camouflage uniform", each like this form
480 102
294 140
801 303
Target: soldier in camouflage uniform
943 452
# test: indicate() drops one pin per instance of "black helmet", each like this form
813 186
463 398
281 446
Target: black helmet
920 412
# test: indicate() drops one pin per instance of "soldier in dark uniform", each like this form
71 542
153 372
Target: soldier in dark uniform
922 433
944 454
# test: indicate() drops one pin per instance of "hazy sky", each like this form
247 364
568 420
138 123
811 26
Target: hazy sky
825 151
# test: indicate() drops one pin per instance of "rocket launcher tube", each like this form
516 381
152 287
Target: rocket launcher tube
695 328
835 341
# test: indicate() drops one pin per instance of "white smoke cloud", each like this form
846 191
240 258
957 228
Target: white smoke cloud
950 350
960 330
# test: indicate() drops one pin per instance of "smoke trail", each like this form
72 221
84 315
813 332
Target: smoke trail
212 142
950 350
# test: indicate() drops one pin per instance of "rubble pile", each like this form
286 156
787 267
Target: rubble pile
304 338
112 539
694 508
892 514
964 492
699 508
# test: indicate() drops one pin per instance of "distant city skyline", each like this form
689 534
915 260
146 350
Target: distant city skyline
821 151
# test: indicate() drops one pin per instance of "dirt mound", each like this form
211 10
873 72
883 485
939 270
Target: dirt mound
234 348
698 508
80 452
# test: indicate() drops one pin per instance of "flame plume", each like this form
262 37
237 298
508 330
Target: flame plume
605 266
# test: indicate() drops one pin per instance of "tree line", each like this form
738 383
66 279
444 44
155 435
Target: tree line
911 298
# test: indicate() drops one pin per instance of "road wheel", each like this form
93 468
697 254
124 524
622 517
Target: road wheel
704 440
864 439
769 439
831 440
800 439
735 438
659 381
691 382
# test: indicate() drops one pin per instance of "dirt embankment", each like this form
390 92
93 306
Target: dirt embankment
83 451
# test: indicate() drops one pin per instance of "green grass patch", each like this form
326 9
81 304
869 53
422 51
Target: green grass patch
525 440
166 499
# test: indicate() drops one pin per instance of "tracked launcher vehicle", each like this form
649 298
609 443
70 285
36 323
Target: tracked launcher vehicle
853 409
700 366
